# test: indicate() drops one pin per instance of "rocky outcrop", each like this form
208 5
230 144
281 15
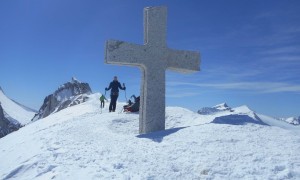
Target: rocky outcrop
68 94
235 116
292 120
216 109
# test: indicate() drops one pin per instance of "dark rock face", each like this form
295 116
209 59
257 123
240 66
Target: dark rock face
68 94
7 125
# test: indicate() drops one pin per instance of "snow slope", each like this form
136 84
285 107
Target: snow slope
15 110
81 143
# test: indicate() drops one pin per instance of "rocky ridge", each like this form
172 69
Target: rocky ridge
68 94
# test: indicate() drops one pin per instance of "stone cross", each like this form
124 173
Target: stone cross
153 58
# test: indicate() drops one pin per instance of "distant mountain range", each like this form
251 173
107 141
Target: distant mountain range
14 115
224 108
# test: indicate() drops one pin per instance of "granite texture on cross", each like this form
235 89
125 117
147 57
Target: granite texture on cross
153 58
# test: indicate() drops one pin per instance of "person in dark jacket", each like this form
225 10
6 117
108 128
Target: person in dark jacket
114 93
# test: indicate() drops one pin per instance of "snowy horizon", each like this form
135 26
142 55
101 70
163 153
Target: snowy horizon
67 94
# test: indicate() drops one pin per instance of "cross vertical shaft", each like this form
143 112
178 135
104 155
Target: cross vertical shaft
153 77
153 118
155 26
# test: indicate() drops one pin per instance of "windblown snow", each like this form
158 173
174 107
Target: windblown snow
80 142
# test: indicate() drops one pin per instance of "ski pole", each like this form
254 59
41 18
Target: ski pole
121 111
125 92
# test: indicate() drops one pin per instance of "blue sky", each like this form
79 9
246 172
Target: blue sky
250 50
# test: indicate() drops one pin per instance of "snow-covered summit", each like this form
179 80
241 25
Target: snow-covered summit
224 114
242 109
80 142
223 107
237 116
69 94
74 80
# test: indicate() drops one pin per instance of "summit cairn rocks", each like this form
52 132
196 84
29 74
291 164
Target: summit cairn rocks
153 58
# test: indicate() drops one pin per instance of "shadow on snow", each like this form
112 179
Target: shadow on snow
238 119
158 136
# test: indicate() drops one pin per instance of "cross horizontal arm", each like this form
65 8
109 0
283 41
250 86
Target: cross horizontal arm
183 61
120 52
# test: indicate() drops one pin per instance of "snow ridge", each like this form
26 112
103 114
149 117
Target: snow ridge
86 142
80 142
13 115
15 110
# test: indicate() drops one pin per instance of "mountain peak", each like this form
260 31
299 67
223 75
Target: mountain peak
243 108
74 80
222 106
215 109
71 93
293 120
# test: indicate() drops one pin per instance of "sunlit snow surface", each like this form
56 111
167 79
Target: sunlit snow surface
80 142
16 111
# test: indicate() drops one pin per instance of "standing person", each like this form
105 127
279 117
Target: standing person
114 93
102 98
